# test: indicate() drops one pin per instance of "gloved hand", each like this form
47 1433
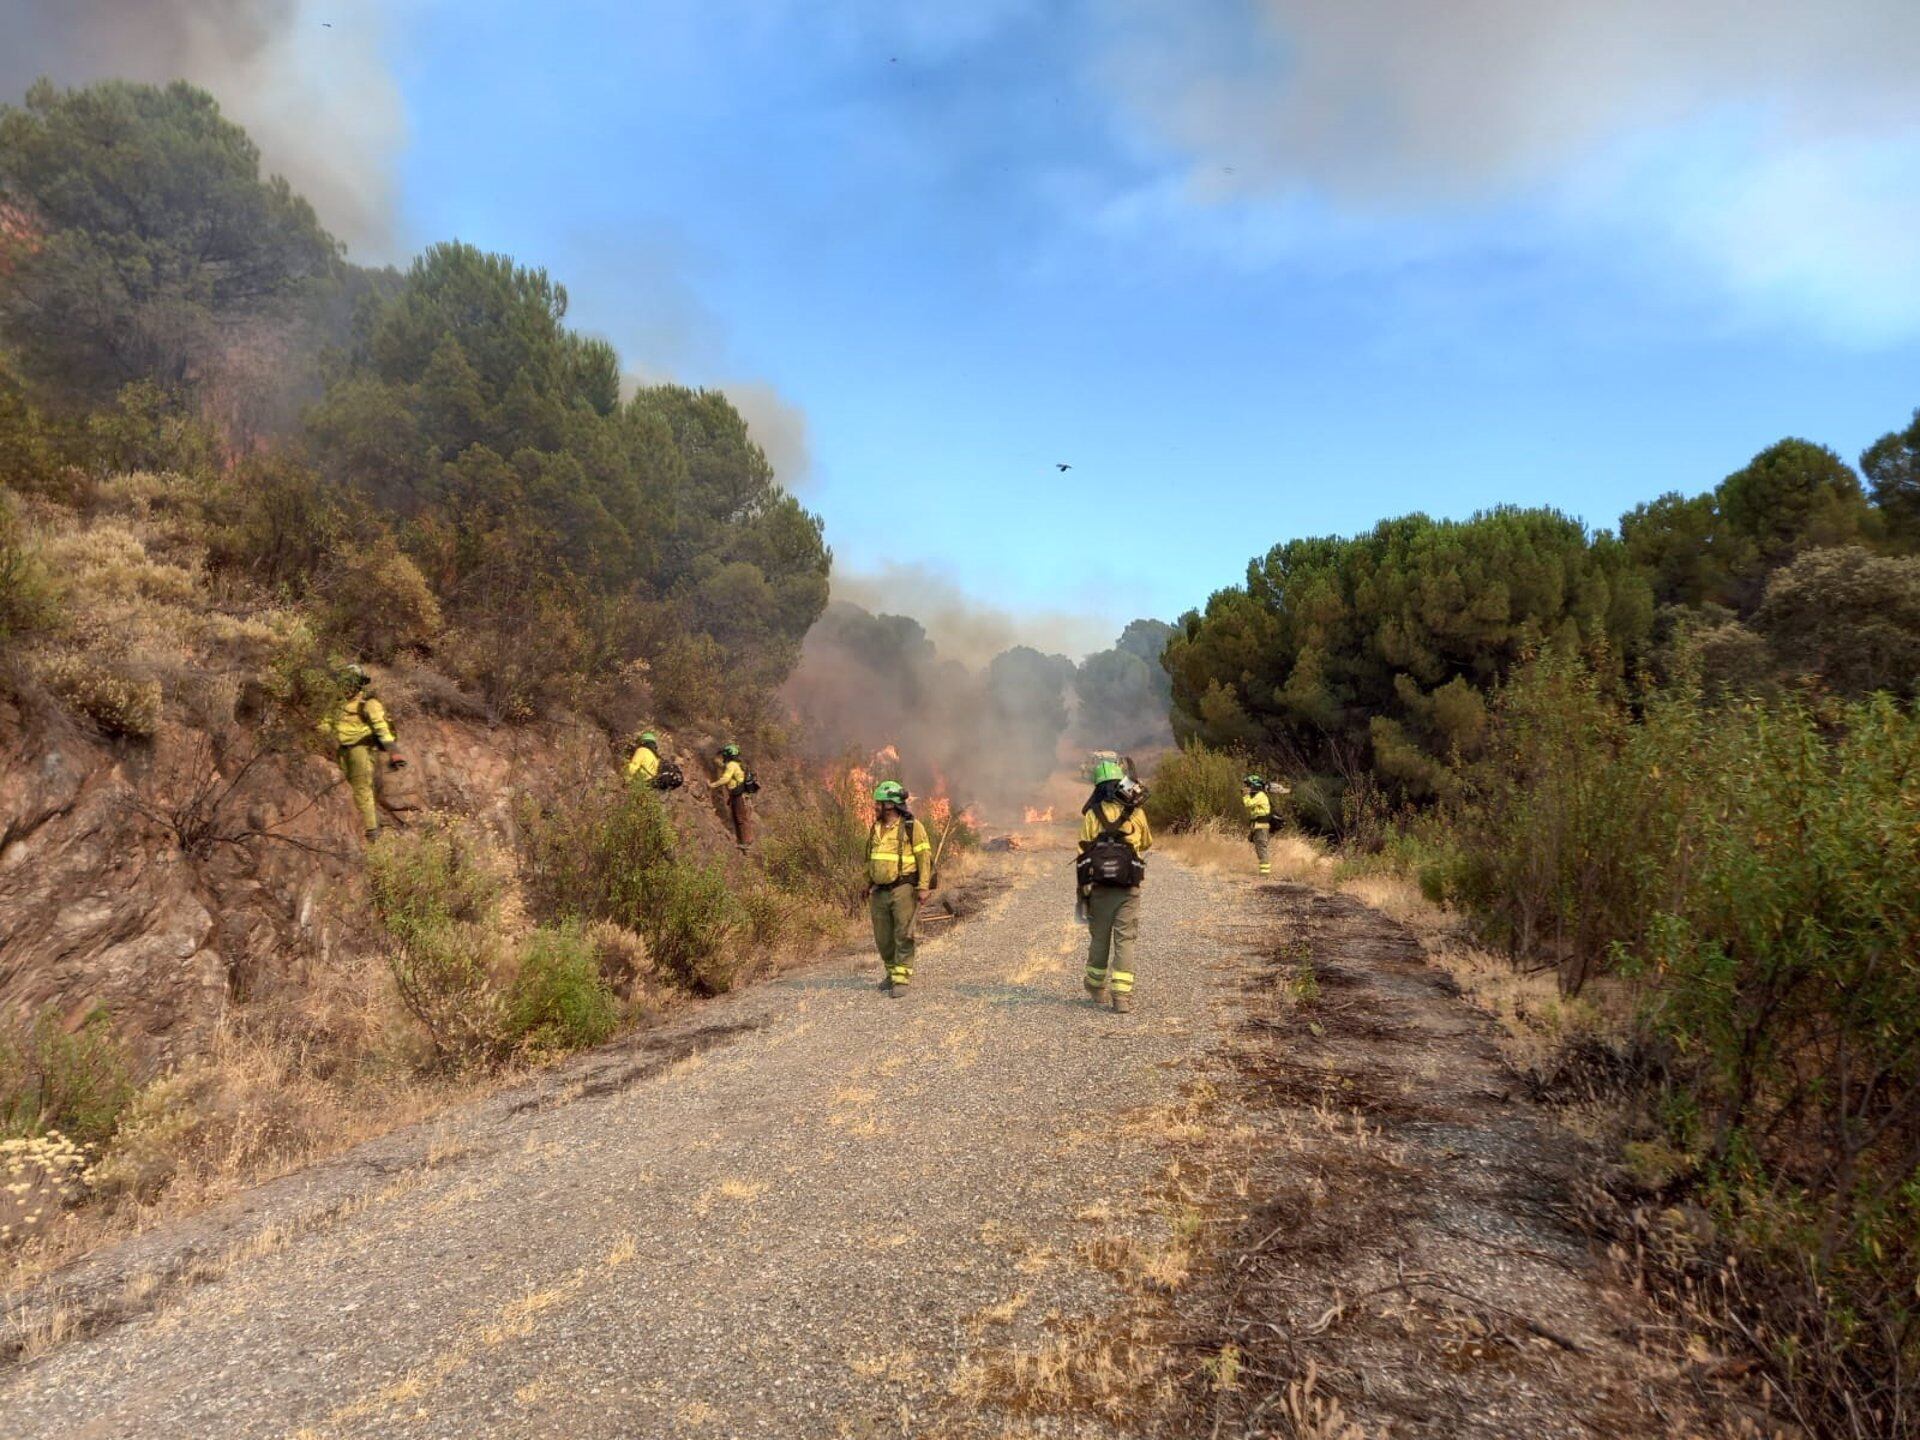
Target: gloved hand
921 895
396 762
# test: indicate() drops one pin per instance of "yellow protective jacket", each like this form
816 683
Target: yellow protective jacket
732 775
644 765
1134 830
894 851
1259 806
359 720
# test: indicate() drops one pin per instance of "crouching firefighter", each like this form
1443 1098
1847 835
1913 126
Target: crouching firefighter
1114 836
899 875
358 726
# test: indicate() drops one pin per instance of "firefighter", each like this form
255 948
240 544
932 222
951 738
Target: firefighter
739 786
1114 839
357 726
1259 808
644 764
899 876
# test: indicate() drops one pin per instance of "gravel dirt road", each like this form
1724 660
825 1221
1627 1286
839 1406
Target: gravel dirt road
801 1228
809 1210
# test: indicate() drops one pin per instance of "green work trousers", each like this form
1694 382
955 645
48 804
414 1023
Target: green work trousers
1261 834
356 763
1113 918
894 908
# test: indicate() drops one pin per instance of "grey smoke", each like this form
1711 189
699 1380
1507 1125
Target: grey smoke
322 104
1386 100
1768 148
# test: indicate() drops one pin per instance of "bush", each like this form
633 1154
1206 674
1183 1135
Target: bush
1196 784
76 1082
1752 864
27 596
276 521
1558 839
377 602
600 854
439 902
117 704
558 1000
816 843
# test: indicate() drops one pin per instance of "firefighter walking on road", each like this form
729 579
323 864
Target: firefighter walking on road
1114 839
739 787
899 877
1259 807
358 726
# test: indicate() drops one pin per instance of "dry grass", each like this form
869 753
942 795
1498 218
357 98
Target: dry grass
1220 848
1537 1023
262 1101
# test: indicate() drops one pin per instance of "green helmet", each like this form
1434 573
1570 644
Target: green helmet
1254 782
356 676
730 752
890 792
1108 770
647 737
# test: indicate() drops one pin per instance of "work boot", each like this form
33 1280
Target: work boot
886 985
1122 1003
1096 993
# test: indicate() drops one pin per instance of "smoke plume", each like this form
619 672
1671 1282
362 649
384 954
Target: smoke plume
1774 143
308 82
992 725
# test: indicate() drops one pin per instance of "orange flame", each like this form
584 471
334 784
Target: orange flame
1039 817
886 755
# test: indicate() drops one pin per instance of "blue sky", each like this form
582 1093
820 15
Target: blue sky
1255 268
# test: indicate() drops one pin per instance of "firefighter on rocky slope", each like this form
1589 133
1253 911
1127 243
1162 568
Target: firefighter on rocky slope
899 876
644 764
1114 838
739 786
358 726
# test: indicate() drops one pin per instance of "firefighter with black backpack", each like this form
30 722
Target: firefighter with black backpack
1114 836
899 876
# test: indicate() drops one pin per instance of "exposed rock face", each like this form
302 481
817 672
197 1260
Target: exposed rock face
164 881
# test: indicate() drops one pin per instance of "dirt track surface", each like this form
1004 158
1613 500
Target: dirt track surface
812 1211
801 1229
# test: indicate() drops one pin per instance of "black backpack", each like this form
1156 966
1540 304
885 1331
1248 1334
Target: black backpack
749 786
1110 862
668 777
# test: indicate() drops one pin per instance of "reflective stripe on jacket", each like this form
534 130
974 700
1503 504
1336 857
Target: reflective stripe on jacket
893 853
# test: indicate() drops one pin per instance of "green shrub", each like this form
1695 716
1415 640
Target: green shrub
439 903
118 705
376 601
558 1000
599 853
76 1082
276 521
28 602
1558 838
816 842
1196 784
1752 865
